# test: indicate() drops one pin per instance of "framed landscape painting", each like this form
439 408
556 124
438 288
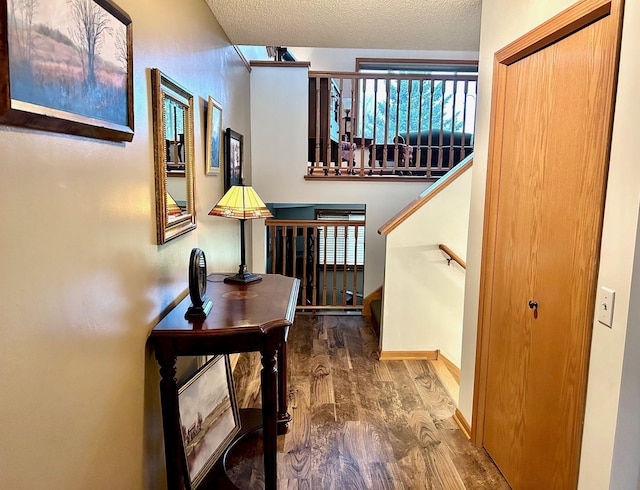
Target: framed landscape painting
214 137
66 66
209 417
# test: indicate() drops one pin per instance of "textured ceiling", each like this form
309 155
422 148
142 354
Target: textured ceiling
447 25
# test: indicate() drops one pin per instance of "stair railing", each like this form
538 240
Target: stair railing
389 125
326 255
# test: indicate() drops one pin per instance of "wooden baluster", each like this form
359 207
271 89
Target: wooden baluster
430 137
294 246
272 242
335 266
473 89
305 250
355 267
328 128
340 128
408 150
362 108
463 142
317 163
453 124
443 93
324 269
374 153
352 129
396 149
386 124
344 268
285 239
316 252
418 154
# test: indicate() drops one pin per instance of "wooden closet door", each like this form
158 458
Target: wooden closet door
553 167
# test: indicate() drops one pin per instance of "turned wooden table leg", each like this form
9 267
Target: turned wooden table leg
174 457
283 393
269 380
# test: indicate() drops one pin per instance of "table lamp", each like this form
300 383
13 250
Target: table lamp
241 202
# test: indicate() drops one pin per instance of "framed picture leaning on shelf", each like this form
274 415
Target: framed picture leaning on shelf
209 417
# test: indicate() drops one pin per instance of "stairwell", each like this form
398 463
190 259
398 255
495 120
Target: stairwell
420 313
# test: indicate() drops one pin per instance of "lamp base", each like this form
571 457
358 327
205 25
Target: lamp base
243 276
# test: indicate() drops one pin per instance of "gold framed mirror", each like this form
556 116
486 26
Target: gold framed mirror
174 157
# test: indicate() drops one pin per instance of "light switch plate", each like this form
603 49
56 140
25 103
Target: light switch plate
604 306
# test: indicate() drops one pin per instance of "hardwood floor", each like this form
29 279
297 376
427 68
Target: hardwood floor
359 423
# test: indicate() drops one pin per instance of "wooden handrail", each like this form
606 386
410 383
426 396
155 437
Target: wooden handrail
452 256
384 76
426 196
313 222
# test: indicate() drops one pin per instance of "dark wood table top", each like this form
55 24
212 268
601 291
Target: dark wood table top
237 309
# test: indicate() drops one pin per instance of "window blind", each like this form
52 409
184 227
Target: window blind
341 244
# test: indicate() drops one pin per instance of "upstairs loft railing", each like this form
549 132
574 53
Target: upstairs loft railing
364 125
326 255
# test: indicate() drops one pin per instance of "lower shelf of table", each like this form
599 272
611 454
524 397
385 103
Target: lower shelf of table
242 462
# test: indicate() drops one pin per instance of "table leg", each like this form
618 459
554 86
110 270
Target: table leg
269 378
283 393
174 457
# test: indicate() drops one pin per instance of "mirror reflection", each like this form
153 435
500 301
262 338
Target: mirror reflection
173 139
174 116
174 136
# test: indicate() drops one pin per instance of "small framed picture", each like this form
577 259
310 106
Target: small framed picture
233 159
209 417
214 137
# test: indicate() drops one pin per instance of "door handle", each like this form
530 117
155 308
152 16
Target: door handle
533 305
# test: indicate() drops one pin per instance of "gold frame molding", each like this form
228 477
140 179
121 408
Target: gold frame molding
164 89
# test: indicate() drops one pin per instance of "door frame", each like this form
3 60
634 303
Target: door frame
562 25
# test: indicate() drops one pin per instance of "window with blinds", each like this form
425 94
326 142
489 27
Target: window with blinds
341 244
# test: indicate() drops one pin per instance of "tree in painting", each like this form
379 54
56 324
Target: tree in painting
120 40
22 14
90 25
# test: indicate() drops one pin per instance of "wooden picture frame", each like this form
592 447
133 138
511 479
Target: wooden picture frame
233 153
209 417
48 80
214 137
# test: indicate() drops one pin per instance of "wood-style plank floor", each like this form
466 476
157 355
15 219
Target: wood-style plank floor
359 423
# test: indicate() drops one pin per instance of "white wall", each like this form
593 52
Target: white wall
279 108
423 296
83 281
344 59
279 129
626 456
502 22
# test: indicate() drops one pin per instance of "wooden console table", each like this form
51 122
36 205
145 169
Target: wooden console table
244 318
